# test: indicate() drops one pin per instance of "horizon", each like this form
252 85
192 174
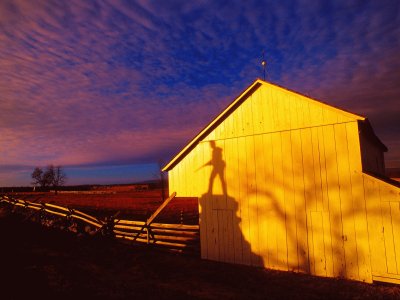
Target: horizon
111 90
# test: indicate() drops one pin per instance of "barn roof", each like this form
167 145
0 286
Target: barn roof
232 107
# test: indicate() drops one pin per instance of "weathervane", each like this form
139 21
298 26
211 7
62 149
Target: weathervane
264 63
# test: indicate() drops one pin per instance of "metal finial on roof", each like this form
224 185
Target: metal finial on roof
263 63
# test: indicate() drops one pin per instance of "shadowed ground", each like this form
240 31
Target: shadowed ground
39 262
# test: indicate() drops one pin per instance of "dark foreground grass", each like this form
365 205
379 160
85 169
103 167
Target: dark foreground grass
40 263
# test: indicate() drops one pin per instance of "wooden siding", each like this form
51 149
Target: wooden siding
272 109
280 185
383 215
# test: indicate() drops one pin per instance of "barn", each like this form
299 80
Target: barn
287 182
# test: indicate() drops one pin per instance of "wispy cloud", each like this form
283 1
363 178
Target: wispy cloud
122 82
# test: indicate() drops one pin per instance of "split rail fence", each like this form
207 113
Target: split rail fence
178 237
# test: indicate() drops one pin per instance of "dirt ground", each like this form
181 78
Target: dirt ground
44 263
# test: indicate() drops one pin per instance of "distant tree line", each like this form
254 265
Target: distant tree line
50 177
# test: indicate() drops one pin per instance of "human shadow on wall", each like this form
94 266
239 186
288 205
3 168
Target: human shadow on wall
222 236
218 168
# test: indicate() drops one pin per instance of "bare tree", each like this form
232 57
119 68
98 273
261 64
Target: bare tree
48 175
59 177
52 176
37 176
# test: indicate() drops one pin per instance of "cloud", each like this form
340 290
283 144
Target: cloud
121 82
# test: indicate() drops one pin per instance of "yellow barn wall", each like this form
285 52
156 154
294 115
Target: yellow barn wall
286 190
383 215
283 192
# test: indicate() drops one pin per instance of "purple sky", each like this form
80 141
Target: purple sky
108 89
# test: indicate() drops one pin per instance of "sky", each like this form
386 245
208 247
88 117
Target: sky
112 89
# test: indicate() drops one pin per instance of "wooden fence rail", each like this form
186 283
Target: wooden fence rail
174 236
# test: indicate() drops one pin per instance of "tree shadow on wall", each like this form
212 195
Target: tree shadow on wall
221 226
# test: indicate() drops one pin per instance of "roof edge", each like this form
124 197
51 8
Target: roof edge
329 106
206 130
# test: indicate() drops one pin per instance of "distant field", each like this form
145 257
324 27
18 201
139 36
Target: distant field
136 205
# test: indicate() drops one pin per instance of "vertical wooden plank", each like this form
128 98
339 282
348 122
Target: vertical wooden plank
256 108
308 169
346 203
243 201
317 238
267 109
247 117
306 113
198 171
184 185
186 171
323 166
237 122
213 238
395 214
388 234
280 110
222 235
261 109
273 260
208 205
290 207
229 131
279 202
252 198
294 123
287 111
328 244
359 209
260 152
317 115
335 216
300 112
230 210
194 174
202 203
375 226
317 169
234 198
178 182
182 177
265 203
230 254
198 161
329 116
300 204
276 122
224 230
188 177
325 203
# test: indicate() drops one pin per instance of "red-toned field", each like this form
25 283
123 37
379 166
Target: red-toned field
133 205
